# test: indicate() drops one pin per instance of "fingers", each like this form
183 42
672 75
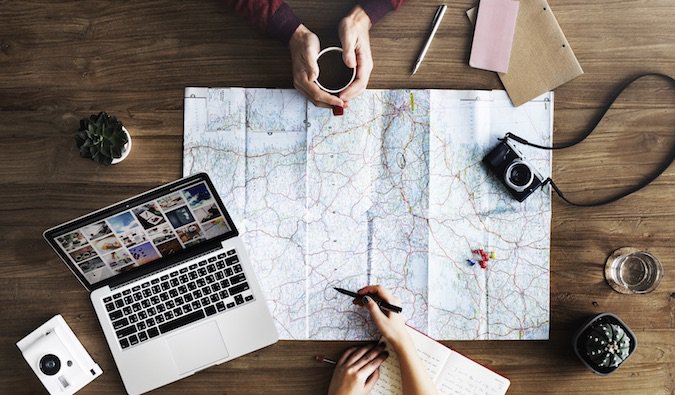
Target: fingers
363 70
357 369
371 354
354 89
382 292
345 355
372 379
305 46
368 289
363 64
379 318
318 97
373 365
357 355
304 82
348 41
312 66
355 40
348 37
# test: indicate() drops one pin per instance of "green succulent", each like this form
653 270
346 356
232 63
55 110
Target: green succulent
607 345
101 138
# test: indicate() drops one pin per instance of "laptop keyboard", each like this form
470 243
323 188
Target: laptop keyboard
178 298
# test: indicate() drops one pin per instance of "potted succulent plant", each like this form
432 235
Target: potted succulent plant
103 138
604 343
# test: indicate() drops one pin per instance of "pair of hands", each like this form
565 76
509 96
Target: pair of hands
354 36
357 370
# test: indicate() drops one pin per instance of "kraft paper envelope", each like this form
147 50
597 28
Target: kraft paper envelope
541 57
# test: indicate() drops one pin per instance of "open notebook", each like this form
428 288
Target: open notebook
452 372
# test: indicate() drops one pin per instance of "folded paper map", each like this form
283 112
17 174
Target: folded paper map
393 192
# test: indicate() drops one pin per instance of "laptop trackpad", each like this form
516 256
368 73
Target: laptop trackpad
197 348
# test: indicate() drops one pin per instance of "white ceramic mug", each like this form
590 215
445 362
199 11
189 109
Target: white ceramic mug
330 49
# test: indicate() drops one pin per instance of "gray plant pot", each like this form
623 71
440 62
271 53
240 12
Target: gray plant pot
579 341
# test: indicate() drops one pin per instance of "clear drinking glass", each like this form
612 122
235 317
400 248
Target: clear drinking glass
630 270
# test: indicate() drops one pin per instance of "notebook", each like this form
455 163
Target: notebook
170 280
493 36
541 58
452 372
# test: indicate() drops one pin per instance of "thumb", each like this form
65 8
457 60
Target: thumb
374 310
311 67
349 53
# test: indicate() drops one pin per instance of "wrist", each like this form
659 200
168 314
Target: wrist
405 350
299 34
402 343
359 17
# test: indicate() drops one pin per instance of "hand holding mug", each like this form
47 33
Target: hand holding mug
305 48
354 33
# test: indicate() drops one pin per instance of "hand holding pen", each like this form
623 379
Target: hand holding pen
354 366
360 298
391 325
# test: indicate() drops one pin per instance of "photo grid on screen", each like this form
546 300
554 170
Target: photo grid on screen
144 233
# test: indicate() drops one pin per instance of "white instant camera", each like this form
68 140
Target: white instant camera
58 358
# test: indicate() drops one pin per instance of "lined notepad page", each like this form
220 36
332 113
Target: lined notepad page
453 373
464 376
433 357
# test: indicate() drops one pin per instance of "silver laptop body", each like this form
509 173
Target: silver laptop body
170 281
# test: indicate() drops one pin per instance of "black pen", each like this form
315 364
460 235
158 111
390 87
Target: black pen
383 305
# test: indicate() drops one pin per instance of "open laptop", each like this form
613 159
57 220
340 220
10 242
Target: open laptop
170 280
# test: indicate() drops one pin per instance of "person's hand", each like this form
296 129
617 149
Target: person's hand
415 379
355 38
305 47
357 370
391 325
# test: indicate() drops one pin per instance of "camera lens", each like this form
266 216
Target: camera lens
50 364
518 175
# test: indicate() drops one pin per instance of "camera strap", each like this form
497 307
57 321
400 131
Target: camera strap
646 181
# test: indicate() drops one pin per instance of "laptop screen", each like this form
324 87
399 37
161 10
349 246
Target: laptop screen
141 231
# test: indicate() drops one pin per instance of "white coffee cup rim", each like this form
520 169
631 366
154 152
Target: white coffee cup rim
323 51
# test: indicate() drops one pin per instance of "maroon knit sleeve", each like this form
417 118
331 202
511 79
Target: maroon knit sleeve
376 9
272 17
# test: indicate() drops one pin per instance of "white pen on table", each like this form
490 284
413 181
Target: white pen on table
435 23
323 358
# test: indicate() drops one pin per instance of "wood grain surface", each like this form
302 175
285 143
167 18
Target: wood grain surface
63 60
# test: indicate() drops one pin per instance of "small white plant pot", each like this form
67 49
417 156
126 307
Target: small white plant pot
125 150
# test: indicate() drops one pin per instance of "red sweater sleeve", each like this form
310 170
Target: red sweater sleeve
376 9
276 19
272 17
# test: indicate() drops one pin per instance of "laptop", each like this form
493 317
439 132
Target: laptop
170 281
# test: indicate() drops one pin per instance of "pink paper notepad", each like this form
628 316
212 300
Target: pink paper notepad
493 37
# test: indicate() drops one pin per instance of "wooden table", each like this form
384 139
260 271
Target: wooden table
61 61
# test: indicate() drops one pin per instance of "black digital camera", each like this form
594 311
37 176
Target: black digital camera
519 177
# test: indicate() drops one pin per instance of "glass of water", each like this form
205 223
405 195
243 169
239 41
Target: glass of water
633 271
